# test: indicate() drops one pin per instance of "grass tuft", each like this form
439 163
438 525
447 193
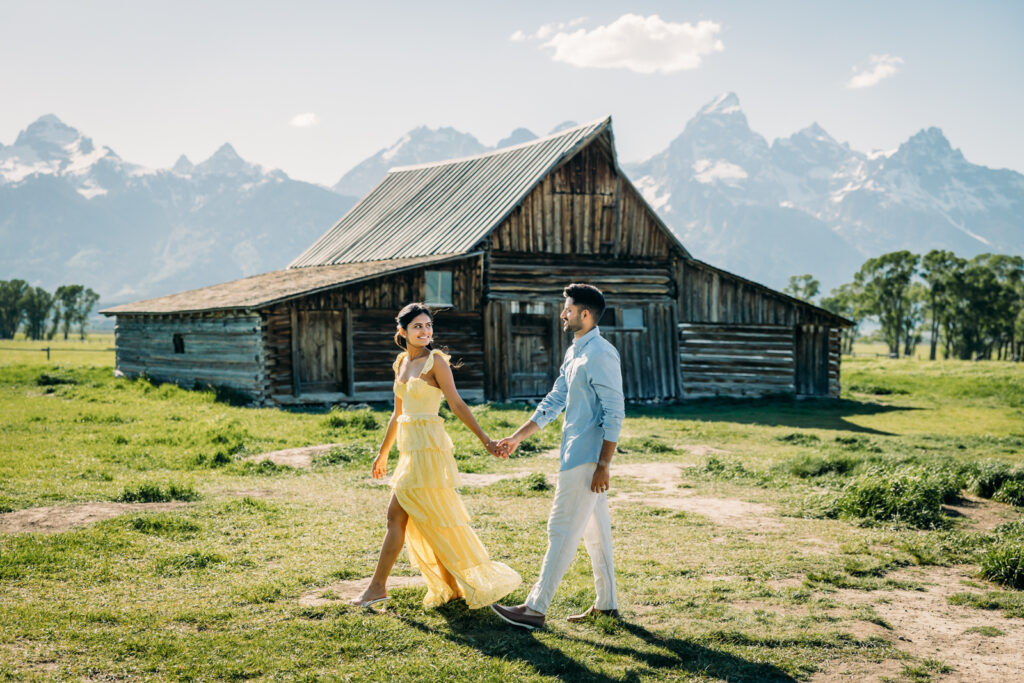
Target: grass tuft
361 420
154 493
906 496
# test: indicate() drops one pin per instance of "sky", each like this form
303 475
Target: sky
313 88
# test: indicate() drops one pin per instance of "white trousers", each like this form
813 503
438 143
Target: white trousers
577 512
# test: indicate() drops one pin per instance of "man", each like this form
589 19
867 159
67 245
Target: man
589 388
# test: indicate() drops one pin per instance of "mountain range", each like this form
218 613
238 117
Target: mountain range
71 211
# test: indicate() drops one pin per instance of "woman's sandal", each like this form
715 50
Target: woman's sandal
368 603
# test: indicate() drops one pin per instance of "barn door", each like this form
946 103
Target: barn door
531 338
811 342
321 351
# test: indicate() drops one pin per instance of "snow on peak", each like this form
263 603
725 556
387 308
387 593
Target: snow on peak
726 103
712 170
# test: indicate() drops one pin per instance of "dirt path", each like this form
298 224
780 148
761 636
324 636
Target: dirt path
347 590
59 518
301 457
665 477
925 625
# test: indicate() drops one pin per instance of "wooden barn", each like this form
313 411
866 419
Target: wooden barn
490 241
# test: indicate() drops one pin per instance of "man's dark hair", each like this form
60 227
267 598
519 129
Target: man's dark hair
586 296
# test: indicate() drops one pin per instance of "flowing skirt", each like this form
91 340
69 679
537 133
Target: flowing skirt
438 534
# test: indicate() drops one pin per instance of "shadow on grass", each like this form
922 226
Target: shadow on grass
647 652
775 411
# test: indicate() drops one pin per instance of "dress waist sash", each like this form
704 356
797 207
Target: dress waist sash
410 417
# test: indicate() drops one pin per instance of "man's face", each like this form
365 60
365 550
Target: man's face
572 316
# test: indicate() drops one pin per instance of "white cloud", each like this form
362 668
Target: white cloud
517 37
642 44
306 120
880 67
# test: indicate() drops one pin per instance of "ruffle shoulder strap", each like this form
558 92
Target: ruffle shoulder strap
430 361
398 362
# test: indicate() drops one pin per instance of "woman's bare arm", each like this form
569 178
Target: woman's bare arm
442 374
380 463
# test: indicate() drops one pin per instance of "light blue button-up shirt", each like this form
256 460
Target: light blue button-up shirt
589 388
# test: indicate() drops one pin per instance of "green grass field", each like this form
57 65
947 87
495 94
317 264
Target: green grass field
764 540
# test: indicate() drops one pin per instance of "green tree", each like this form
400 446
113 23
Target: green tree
65 310
804 287
917 299
11 311
36 303
939 269
83 308
885 283
845 301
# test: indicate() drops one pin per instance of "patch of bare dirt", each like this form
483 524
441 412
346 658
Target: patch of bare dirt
927 626
301 457
347 590
59 518
664 476
701 450
982 514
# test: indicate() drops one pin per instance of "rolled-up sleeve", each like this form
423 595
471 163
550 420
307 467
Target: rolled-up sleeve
553 403
605 373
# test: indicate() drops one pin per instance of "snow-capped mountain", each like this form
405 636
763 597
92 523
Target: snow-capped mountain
419 146
809 204
423 146
71 211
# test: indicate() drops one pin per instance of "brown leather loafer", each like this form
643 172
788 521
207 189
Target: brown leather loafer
517 617
594 612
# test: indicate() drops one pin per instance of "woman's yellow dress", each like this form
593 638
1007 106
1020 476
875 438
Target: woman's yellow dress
438 532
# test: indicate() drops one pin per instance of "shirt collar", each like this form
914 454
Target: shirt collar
581 343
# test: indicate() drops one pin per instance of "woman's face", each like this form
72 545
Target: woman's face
420 331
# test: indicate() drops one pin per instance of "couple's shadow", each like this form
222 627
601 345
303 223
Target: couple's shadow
482 630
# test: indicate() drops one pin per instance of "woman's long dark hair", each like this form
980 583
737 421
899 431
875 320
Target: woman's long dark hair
406 316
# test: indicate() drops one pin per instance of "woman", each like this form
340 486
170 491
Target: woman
425 511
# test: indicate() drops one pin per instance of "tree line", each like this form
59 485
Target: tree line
969 308
42 314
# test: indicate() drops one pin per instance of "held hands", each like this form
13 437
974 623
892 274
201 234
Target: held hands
494 448
508 446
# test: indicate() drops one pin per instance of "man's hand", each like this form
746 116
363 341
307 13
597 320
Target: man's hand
508 445
600 482
495 449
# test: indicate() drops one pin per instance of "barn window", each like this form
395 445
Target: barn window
439 287
632 319
179 344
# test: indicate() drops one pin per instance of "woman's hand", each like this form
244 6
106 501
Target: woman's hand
494 449
380 466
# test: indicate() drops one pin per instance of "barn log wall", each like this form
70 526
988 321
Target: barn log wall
583 207
219 349
736 360
834 357
514 367
366 314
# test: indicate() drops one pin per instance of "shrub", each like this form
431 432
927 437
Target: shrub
1003 562
799 439
154 493
47 380
363 420
904 496
1011 492
807 465
989 476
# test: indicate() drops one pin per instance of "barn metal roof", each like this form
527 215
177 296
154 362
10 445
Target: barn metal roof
274 287
445 207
